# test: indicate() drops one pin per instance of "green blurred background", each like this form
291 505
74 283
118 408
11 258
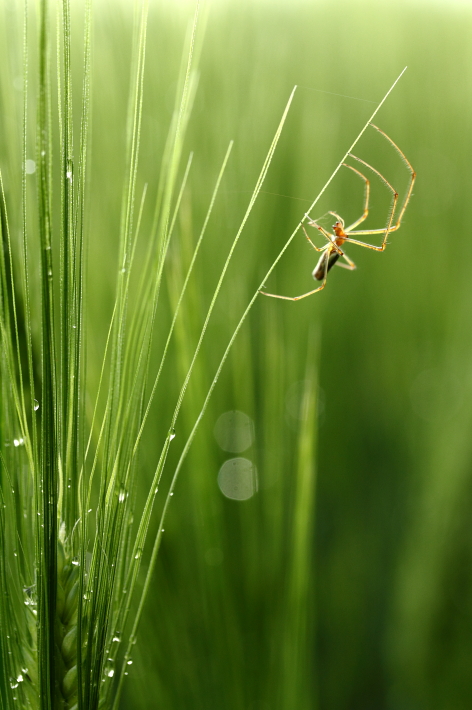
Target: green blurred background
356 593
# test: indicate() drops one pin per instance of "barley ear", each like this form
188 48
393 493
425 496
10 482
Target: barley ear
66 625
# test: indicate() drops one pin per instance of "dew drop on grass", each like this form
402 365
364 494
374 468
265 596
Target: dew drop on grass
172 435
117 637
36 405
122 495
18 442
138 554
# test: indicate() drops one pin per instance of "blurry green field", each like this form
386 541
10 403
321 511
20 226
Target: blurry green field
357 596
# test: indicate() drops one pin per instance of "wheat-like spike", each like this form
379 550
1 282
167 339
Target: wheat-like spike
66 626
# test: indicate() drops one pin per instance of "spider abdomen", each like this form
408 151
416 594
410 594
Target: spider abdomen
320 269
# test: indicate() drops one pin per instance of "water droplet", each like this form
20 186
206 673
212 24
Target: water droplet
172 435
15 554
36 405
117 637
162 530
13 683
74 326
49 272
69 175
122 495
138 554
129 662
89 510
18 442
111 673
20 678
171 493
30 167
75 561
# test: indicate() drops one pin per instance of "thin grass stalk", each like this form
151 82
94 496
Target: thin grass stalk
296 674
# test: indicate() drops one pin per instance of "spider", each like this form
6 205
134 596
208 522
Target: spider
332 251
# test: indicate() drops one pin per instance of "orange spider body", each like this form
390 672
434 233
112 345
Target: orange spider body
331 254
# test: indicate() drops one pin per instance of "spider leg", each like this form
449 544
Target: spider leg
338 217
371 231
296 298
312 243
329 237
410 168
304 295
317 219
366 198
350 264
382 247
388 228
